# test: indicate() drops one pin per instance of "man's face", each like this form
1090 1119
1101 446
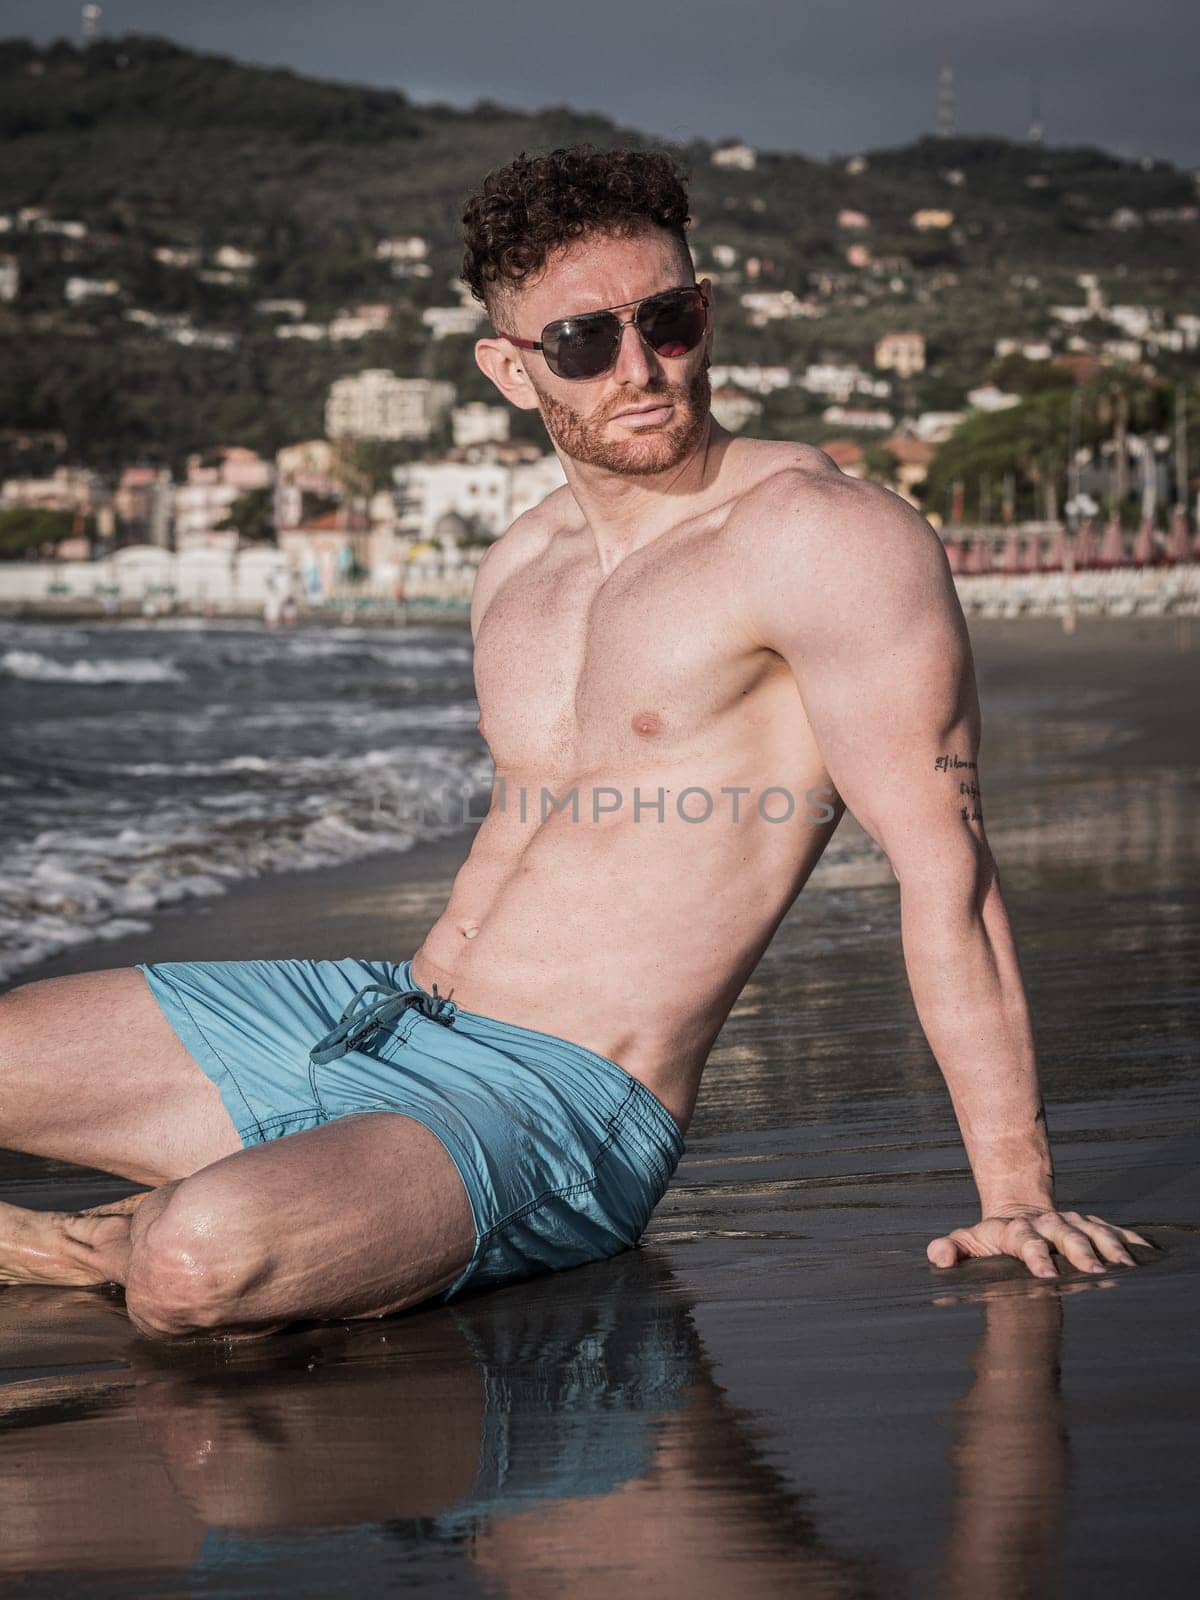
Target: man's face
582 416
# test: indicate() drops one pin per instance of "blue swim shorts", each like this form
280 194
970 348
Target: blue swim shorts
563 1153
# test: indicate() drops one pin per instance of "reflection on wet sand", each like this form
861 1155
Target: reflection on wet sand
569 1439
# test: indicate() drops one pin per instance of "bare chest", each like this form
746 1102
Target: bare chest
574 672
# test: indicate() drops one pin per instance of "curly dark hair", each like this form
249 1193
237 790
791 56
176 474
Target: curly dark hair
536 204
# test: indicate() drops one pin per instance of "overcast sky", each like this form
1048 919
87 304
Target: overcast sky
818 76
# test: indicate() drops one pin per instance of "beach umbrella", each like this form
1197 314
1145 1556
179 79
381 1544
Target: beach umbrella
1112 546
1058 550
1177 539
1085 545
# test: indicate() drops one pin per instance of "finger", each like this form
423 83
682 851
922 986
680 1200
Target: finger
1060 1229
1035 1253
1127 1234
943 1252
1107 1240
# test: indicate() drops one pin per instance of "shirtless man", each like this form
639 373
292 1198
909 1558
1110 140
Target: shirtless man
690 660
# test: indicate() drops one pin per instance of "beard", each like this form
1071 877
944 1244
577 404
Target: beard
644 452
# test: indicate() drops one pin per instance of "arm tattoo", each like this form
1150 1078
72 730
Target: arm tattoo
971 809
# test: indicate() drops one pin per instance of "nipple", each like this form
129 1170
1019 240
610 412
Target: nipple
647 723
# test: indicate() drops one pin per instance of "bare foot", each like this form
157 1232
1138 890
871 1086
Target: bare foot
68 1248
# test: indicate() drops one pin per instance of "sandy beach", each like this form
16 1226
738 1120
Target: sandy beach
776 1393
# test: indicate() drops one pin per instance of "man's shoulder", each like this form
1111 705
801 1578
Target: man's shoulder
820 549
805 506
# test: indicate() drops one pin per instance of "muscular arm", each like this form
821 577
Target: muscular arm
854 591
850 586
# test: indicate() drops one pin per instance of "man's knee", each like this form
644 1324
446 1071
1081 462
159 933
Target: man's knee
190 1271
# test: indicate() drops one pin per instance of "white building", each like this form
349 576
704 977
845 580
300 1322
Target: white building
10 277
1136 321
447 320
486 495
407 247
478 423
857 417
91 289
176 255
935 427
235 260
376 404
756 379
733 409
360 322
1031 349
990 398
735 156
771 305
840 382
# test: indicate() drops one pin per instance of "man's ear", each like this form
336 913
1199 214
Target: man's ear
500 361
706 285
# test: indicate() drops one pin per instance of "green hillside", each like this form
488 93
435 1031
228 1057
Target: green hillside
150 145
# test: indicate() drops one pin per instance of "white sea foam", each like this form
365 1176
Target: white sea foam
38 668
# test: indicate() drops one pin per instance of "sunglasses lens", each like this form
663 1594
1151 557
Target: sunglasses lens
582 347
672 324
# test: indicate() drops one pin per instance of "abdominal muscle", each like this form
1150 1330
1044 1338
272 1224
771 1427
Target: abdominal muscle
631 936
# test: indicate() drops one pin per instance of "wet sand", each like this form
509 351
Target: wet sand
775 1394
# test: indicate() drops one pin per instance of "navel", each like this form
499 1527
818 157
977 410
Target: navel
647 723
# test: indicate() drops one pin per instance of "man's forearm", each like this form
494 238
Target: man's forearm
966 984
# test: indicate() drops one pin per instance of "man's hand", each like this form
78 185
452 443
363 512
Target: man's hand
1028 1233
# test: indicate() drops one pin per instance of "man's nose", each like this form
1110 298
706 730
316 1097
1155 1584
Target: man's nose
635 360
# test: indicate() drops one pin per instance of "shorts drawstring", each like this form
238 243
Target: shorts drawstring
357 1025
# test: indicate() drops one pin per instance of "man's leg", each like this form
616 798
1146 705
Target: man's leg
92 1072
358 1217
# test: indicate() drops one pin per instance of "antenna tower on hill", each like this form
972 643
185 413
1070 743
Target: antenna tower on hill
945 103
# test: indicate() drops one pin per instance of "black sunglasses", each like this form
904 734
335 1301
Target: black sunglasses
586 346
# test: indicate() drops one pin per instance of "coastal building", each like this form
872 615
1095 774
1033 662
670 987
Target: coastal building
360 322
234 259
487 493
144 501
406 247
931 217
215 480
479 423
177 255
477 492
10 278
66 489
838 381
857 417
771 305
902 353
989 398
444 321
935 427
735 156
300 469
1030 349
77 289
848 218
733 409
296 309
755 379
376 404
